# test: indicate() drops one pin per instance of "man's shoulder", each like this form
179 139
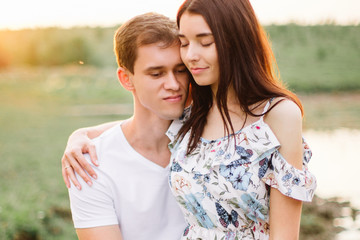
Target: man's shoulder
109 145
109 137
109 152
109 133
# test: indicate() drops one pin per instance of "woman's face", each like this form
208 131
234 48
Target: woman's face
198 50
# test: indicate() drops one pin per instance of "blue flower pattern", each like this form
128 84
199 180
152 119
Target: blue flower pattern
238 176
253 208
193 206
223 186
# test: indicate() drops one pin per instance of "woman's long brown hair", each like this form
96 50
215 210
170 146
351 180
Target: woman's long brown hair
246 63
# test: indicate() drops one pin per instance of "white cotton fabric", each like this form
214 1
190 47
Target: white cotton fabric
131 191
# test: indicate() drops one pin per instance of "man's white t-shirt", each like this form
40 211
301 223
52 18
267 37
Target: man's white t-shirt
130 191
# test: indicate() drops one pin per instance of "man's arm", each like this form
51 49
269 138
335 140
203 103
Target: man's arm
73 159
99 233
93 210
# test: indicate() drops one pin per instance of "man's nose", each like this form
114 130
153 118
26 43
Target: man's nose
171 82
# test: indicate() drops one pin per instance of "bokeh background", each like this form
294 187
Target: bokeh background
57 74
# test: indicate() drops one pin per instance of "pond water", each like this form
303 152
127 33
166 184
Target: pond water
336 164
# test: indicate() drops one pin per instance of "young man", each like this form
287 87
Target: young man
130 198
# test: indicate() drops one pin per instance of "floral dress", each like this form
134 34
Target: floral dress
223 188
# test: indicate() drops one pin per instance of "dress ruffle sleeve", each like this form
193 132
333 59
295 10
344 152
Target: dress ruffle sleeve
290 181
175 126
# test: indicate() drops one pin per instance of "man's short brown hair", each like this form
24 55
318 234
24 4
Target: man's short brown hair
142 30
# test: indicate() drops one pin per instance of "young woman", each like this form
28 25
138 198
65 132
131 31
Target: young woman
239 162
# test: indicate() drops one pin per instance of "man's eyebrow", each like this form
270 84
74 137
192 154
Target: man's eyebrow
197 35
154 68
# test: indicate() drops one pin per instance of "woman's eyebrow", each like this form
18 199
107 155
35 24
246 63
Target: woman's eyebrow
197 35
203 35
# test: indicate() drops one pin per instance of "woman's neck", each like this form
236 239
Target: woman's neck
232 101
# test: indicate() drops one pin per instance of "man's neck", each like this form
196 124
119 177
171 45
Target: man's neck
146 134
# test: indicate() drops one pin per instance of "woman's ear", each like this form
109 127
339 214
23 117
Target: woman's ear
124 79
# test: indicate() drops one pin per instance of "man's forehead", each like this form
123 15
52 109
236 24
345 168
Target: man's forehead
154 56
160 46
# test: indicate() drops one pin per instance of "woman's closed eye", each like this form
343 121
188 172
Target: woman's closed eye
184 44
206 44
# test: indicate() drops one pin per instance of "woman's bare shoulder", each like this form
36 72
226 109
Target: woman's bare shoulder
285 121
283 111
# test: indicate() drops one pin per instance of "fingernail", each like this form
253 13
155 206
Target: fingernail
96 162
94 176
78 187
89 183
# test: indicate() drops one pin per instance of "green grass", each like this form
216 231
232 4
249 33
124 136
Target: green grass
318 58
34 129
324 111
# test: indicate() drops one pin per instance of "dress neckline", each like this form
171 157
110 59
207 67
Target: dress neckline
260 120
206 141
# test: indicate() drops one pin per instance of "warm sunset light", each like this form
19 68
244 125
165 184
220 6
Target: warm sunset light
68 65
66 13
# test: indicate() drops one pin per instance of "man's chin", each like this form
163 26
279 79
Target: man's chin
173 116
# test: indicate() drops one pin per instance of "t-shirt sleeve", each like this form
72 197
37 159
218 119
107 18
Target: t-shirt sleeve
92 206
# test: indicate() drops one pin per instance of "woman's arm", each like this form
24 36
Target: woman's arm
73 159
285 213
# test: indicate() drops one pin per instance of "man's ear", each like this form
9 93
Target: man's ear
124 79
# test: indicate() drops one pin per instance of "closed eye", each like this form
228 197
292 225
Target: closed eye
182 45
181 70
206 44
156 74
183 41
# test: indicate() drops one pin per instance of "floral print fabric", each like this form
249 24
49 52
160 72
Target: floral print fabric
223 186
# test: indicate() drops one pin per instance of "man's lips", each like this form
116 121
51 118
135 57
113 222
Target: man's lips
175 98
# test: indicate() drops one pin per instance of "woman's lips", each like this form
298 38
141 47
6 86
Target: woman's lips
198 70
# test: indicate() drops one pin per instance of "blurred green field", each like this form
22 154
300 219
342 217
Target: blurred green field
318 58
34 129
311 58
321 63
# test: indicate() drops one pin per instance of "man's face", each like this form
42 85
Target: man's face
160 80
